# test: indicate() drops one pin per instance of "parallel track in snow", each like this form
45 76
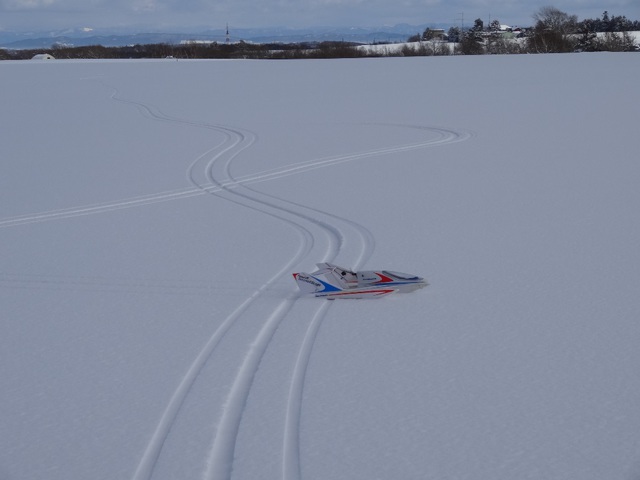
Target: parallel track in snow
345 230
221 455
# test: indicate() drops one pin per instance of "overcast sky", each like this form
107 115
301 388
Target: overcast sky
164 15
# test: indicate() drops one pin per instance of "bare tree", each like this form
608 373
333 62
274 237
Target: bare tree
552 30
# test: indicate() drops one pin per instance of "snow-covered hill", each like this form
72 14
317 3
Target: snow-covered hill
151 213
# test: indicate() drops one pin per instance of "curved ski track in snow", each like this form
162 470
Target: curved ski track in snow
219 463
366 246
445 137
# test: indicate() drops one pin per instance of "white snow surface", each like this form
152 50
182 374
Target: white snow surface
152 212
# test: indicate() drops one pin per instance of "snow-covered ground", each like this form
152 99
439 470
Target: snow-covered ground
151 213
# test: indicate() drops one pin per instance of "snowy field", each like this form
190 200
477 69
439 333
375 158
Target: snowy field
152 212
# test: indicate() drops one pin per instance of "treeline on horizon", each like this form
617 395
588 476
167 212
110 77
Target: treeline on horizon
195 50
554 31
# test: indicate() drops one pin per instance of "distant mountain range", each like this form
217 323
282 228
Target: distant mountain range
117 38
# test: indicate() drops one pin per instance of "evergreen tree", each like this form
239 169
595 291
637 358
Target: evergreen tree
472 42
605 23
609 24
588 39
454 34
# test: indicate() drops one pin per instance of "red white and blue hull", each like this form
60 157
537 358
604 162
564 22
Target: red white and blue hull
332 282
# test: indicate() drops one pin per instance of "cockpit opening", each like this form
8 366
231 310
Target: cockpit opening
400 275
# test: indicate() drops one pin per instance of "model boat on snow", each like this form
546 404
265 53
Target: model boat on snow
331 282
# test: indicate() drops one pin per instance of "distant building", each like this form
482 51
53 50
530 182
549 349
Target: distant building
43 56
434 34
